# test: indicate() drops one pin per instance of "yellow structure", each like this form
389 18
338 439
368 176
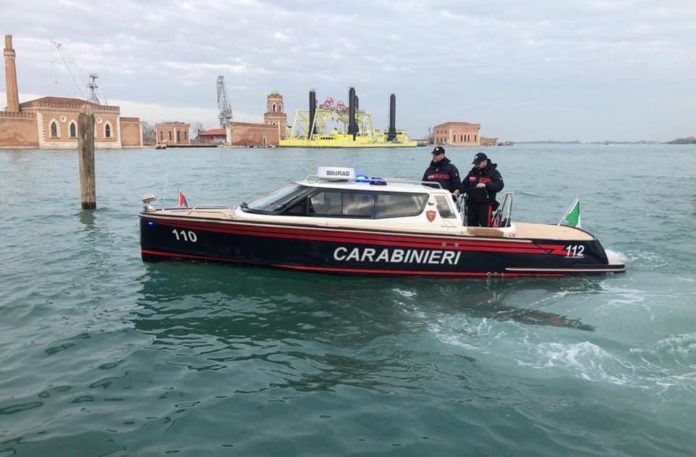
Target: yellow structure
341 126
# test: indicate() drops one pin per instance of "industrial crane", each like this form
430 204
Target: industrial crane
224 107
92 84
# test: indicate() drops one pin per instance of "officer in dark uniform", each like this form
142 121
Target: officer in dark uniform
480 187
442 171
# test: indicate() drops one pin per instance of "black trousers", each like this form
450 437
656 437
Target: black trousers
479 215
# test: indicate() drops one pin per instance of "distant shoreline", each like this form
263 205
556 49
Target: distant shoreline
690 140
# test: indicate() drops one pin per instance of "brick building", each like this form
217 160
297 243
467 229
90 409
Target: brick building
250 134
275 114
269 133
51 122
489 141
173 133
213 136
457 134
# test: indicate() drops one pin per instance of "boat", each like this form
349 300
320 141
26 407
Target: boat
342 223
160 146
335 125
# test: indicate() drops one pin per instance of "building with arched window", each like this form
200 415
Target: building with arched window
275 114
267 134
457 134
51 122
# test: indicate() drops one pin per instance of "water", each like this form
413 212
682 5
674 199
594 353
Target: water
104 355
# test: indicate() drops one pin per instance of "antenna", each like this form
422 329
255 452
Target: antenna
92 84
224 107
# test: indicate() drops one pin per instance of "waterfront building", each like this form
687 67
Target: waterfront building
51 122
173 133
489 141
269 133
275 114
457 134
213 136
252 134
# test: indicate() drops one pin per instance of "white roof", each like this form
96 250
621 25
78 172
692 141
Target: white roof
392 185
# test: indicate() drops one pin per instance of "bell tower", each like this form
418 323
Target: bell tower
11 76
275 114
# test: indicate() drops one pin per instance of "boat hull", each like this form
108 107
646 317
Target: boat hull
365 252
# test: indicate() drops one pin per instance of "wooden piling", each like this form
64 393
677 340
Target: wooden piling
85 149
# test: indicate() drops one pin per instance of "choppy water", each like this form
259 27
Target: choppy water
103 355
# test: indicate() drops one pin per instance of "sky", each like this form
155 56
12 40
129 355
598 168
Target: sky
622 70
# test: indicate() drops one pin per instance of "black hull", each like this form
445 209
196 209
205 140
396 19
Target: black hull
364 252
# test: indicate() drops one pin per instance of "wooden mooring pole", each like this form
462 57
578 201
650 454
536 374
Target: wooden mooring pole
85 149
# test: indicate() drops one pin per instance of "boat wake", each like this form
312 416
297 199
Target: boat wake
615 256
667 364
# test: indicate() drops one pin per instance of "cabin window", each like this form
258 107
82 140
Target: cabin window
297 200
399 204
443 207
54 129
107 131
326 204
73 130
337 203
278 200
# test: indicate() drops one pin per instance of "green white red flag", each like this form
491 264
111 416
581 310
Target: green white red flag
572 216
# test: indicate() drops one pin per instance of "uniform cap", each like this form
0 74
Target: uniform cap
480 157
438 150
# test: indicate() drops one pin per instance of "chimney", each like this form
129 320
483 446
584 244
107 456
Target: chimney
311 128
391 136
352 124
11 77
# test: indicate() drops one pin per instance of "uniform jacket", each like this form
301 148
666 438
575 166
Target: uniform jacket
490 177
443 172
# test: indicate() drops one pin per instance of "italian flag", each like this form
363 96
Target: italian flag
572 215
182 199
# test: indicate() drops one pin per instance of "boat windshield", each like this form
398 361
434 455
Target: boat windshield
277 200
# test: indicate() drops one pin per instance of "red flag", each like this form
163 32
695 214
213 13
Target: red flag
182 200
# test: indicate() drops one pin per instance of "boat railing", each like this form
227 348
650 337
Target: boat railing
503 215
190 209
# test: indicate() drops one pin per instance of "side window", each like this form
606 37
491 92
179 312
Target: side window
348 204
325 204
358 204
399 205
443 207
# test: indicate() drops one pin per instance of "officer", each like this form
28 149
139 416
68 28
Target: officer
480 187
442 171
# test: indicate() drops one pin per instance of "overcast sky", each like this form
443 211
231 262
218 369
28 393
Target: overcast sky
539 69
